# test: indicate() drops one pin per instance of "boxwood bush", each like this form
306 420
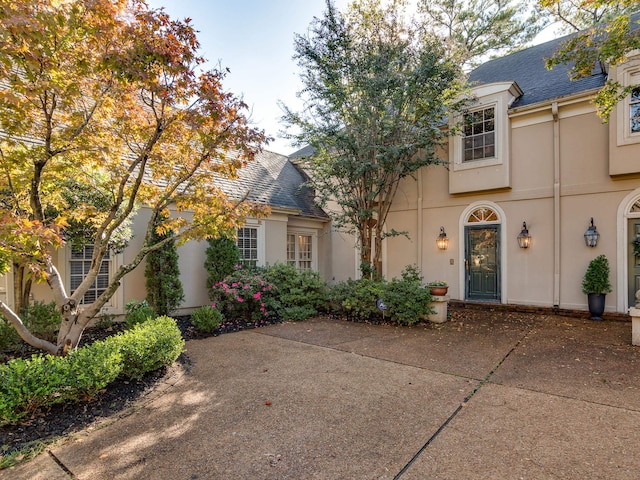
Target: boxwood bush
43 380
206 319
148 346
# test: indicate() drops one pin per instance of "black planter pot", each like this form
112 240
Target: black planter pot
596 305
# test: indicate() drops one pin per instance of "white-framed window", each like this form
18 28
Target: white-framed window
628 111
79 266
479 140
634 111
250 239
248 246
300 250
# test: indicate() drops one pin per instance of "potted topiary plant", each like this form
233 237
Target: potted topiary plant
596 285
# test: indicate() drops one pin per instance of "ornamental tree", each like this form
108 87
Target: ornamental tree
376 93
112 95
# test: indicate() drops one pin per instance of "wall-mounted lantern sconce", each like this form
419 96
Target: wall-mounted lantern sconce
591 236
442 241
524 239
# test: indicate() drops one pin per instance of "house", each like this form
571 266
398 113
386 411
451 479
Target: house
295 232
533 160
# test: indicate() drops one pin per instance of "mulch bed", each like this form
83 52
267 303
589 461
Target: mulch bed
46 425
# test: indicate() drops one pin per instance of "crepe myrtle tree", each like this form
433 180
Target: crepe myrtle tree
376 93
111 94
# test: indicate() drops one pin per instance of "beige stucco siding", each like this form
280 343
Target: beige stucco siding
560 185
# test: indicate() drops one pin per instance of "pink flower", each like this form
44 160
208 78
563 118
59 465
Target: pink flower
256 296
234 284
240 299
213 305
246 287
270 287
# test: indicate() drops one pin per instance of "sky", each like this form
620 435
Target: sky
254 39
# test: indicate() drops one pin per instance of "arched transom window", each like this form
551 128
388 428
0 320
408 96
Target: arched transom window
483 215
635 208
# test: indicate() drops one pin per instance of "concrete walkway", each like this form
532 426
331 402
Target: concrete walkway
508 397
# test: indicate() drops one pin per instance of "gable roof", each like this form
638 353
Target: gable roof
272 179
527 69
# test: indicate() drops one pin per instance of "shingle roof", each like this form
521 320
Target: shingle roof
527 69
273 180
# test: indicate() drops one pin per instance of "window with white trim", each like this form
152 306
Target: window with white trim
300 250
79 266
634 111
479 130
248 246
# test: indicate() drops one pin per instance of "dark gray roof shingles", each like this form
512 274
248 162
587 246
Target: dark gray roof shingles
527 69
273 180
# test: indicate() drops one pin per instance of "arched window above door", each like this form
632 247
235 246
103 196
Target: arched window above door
635 208
483 215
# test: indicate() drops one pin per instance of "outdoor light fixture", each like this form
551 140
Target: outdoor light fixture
524 239
591 236
442 241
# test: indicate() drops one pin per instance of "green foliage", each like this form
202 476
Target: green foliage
244 296
596 278
357 299
43 380
164 288
605 39
148 346
407 298
299 294
374 108
28 384
8 334
206 319
222 258
478 29
137 312
42 319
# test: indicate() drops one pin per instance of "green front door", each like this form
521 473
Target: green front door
482 262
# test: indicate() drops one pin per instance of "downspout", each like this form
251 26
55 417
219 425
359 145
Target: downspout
419 233
556 205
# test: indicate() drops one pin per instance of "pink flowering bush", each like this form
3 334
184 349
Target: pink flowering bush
244 295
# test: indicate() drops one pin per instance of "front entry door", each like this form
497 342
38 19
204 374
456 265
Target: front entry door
634 261
482 262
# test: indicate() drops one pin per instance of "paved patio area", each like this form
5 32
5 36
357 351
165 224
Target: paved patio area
497 396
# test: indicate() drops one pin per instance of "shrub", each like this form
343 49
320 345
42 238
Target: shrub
28 384
222 258
206 319
298 294
137 312
149 345
42 319
164 288
244 296
357 299
407 298
596 278
8 334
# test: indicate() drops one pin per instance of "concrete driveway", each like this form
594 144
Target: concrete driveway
495 396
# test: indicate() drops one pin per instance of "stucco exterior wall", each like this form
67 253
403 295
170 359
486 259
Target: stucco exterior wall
560 178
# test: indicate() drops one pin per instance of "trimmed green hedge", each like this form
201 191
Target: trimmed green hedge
43 380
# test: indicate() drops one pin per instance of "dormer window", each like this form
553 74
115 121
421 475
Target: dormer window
480 135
